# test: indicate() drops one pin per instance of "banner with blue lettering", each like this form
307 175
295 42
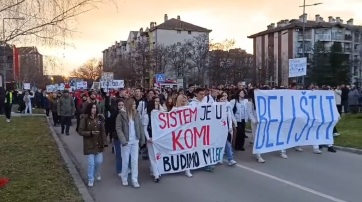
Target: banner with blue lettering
189 137
289 118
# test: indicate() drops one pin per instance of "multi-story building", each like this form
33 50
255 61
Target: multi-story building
275 46
30 63
170 32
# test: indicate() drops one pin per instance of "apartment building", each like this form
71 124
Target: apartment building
30 62
283 41
171 31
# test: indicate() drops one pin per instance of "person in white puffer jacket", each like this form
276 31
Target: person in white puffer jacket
254 121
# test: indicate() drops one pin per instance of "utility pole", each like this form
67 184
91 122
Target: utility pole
304 23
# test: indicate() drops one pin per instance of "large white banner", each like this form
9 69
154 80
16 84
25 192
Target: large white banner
112 84
297 67
189 137
289 118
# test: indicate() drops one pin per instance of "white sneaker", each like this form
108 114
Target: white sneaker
90 184
317 151
298 149
136 185
232 162
125 183
260 160
336 134
7 120
283 155
99 178
188 173
119 174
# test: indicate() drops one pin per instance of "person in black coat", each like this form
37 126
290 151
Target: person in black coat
112 112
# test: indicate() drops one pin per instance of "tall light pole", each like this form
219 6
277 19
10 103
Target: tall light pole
4 48
304 23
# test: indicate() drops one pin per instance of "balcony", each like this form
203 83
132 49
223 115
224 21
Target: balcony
323 37
306 37
347 49
348 37
307 49
337 37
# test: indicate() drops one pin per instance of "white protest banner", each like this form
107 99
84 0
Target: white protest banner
289 118
82 85
112 84
189 137
297 67
26 86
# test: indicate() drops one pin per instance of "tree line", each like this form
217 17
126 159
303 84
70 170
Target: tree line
196 60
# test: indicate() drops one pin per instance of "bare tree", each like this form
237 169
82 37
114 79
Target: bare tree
199 55
44 20
220 62
141 60
159 58
89 71
122 69
179 59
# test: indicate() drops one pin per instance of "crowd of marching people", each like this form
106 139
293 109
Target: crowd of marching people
122 119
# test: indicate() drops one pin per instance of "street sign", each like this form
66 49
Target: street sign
107 76
160 78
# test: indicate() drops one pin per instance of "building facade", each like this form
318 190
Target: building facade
30 63
170 32
283 41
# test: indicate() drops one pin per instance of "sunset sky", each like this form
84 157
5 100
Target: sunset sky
229 19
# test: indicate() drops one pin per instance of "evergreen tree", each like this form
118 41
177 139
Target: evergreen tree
339 63
319 69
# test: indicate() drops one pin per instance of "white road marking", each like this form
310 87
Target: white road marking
291 184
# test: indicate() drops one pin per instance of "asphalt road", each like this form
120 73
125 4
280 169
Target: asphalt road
303 177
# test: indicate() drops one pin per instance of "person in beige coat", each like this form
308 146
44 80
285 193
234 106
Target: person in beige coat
130 133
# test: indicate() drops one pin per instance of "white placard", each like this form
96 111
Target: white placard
290 118
107 76
112 84
189 137
82 85
297 67
26 86
50 88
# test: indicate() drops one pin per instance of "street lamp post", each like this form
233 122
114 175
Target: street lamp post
304 23
4 47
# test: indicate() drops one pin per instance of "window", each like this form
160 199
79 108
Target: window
178 31
189 32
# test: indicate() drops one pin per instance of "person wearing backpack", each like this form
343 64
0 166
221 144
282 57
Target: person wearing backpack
240 112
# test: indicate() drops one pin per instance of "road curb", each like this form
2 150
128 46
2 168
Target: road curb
348 149
71 167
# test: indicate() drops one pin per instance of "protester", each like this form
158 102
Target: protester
130 133
66 110
27 100
46 104
53 105
91 127
8 104
254 120
228 147
240 112
154 104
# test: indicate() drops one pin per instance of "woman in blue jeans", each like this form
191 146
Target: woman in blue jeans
91 127
228 149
